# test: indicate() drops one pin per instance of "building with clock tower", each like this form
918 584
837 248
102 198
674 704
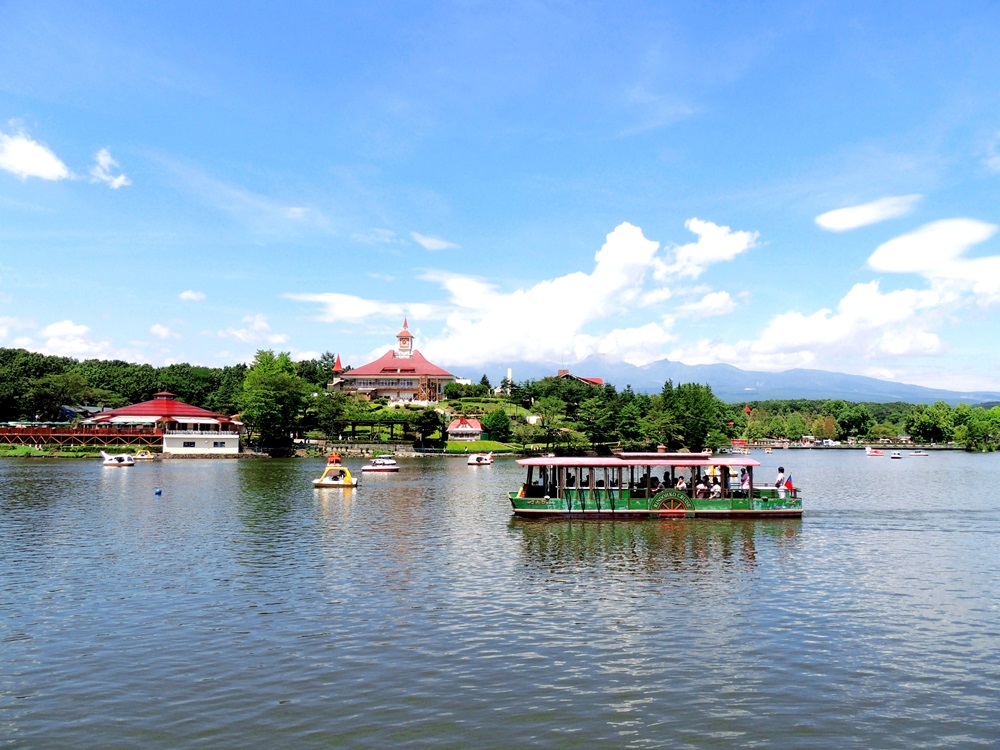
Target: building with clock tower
403 374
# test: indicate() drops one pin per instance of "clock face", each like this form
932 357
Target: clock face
404 343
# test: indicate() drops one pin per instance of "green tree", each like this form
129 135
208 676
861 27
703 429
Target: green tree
696 410
551 410
428 422
597 417
497 424
272 397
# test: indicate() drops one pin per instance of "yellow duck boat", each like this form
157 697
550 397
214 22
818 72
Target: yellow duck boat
336 475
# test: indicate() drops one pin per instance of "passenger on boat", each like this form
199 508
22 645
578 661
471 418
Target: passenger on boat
701 489
654 485
744 479
681 484
779 482
716 488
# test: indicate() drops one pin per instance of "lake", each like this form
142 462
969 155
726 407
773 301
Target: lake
243 608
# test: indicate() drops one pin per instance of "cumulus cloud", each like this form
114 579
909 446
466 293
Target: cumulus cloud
712 304
547 320
192 296
103 169
68 339
24 157
853 217
715 244
259 331
161 331
867 323
432 243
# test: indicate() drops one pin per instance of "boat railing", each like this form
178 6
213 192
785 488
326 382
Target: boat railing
213 433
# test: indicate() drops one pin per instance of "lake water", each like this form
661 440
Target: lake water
242 608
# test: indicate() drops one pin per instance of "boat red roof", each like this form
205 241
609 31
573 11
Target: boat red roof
163 404
390 364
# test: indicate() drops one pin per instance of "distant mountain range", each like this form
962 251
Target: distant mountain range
732 384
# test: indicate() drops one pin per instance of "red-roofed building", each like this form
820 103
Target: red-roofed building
465 429
186 428
589 381
403 374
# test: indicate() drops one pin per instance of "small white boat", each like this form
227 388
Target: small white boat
381 464
896 454
335 475
119 459
869 451
480 459
919 453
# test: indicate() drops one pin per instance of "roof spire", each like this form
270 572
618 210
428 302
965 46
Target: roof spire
405 325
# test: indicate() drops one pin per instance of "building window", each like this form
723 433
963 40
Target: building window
189 444
219 444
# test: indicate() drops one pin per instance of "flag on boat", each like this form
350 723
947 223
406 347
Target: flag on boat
788 483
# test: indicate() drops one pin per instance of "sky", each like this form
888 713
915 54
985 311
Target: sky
767 185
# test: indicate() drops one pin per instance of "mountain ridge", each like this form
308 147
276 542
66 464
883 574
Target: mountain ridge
733 385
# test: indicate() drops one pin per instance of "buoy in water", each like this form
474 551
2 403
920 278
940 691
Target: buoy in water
159 491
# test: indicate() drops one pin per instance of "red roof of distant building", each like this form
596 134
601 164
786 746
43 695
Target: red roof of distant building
462 422
337 367
589 381
390 364
164 405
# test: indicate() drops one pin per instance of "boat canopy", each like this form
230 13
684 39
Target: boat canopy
641 459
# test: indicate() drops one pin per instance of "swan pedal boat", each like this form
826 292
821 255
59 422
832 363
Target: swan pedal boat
335 475
480 459
869 451
119 459
143 456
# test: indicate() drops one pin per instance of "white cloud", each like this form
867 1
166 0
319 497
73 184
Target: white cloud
102 171
161 331
432 243
853 217
259 331
376 237
22 156
992 159
6 324
192 296
68 339
654 111
937 251
549 320
715 303
716 244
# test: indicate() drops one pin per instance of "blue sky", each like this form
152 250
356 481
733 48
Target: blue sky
768 185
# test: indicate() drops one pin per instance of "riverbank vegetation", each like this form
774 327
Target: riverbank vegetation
280 400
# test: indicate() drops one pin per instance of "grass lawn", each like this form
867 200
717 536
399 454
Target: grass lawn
479 446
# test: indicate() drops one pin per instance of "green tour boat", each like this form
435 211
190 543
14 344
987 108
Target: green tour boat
652 485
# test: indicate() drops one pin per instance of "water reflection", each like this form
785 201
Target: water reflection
651 545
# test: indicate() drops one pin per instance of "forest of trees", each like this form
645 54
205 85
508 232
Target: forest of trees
278 398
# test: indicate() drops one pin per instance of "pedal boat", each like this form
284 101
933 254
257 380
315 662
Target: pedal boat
381 464
335 475
118 459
